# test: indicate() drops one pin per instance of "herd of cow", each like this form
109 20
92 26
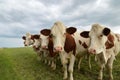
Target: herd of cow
67 44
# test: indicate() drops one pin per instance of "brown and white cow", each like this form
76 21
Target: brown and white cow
33 40
64 43
67 42
28 39
105 44
47 44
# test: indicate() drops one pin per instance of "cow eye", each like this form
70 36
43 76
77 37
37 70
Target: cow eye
51 36
101 36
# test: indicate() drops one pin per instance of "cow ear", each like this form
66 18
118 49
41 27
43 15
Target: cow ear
36 36
85 34
106 31
71 30
24 38
32 37
45 32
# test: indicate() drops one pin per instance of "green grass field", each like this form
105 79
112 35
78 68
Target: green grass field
22 64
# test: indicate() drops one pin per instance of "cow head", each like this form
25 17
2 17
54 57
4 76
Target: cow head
44 35
37 41
28 39
58 32
98 38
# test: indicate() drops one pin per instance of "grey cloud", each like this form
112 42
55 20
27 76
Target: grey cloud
51 2
21 16
114 4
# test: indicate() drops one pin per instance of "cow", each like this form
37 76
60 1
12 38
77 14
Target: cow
68 43
105 45
37 46
47 44
28 39
33 40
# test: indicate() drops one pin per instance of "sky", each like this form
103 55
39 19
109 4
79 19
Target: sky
17 17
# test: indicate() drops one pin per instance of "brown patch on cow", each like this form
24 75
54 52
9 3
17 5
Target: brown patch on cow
50 48
80 42
71 30
85 34
24 38
36 36
84 45
32 37
45 32
70 44
110 42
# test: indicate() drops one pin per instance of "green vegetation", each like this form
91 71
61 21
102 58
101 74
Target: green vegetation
22 64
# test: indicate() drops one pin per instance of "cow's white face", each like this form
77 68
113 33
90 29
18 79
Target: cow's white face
98 38
37 43
58 34
28 40
44 41
59 41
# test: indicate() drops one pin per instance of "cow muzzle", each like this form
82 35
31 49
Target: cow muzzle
44 47
36 48
58 49
92 51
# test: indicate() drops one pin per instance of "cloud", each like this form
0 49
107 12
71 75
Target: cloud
11 42
20 16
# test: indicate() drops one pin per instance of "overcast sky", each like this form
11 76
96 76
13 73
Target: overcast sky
20 16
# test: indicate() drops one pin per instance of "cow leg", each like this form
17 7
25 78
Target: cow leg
49 62
38 56
65 71
100 76
109 66
89 61
71 66
80 59
53 64
64 64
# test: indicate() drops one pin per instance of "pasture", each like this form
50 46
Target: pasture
22 64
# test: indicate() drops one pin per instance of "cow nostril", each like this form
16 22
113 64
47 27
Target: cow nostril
58 48
93 51
44 47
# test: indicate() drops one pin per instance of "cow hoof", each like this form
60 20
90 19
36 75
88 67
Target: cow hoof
53 68
99 79
110 78
65 78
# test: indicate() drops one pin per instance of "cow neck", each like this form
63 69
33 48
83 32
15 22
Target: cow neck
50 48
70 44
110 41
36 49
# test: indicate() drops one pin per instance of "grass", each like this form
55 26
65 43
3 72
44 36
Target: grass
22 64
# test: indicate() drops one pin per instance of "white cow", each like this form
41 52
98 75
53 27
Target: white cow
105 44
